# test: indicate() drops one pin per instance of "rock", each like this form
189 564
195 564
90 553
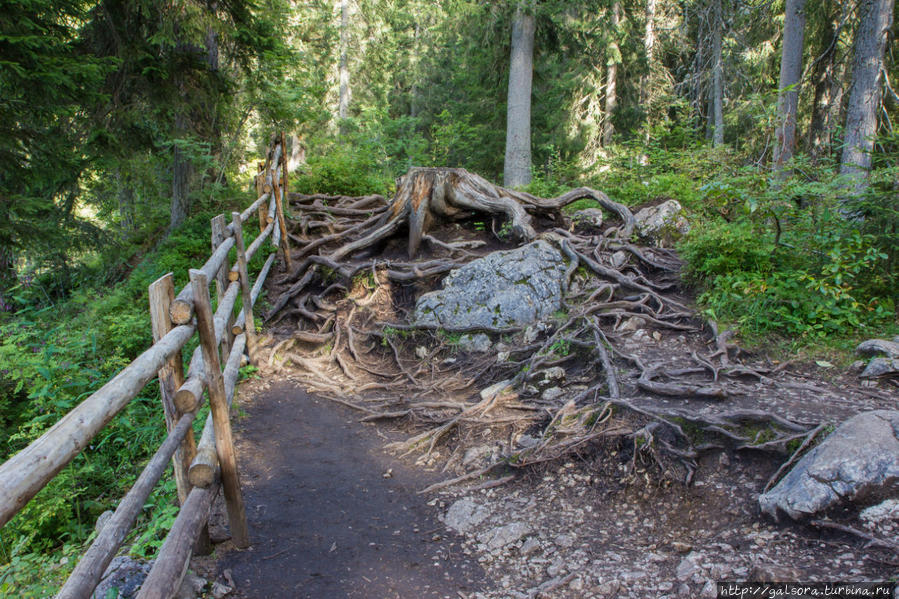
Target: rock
681 547
502 289
609 588
504 535
860 457
588 218
565 540
882 518
632 324
618 259
494 389
874 347
481 456
123 575
220 590
552 394
709 590
464 515
526 441
688 566
881 367
554 374
421 352
773 573
857 366
529 546
663 224
479 343
191 586
102 519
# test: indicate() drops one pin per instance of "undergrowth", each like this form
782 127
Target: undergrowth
53 355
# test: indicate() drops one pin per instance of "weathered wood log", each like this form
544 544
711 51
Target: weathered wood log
171 376
238 326
28 471
87 574
218 405
248 213
190 393
183 306
222 276
246 292
164 579
282 194
204 467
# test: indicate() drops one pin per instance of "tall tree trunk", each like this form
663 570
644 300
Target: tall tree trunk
612 77
819 131
343 103
649 42
717 99
865 91
181 172
517 167
125 194
788 92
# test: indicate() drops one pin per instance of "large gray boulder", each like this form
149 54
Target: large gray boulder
874 347
502 289
860 458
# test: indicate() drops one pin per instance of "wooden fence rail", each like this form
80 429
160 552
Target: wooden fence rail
175 319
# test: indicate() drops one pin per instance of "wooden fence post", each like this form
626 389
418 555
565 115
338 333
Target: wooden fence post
171 377
279 207
218 226
262 211
245 287
218 405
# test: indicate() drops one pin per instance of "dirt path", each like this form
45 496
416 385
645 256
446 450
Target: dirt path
325 521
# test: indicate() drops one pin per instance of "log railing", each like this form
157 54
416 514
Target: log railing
199 469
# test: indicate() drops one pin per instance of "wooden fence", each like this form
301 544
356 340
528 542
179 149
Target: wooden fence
200 468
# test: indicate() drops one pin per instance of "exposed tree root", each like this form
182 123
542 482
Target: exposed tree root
348 299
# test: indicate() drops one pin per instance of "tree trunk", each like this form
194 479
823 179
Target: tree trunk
612 78
788 92
649 41
181 174
819 131
343 104
865 92
717 99
517 167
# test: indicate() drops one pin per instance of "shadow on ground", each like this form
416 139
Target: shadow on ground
324 521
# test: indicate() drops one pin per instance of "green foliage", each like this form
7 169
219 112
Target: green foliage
806 273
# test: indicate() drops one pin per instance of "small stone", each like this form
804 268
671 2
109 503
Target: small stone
526 441
220 590
102 519
504 535
773 573
556 373
688 566
494 389
618 259
681 547
502 356
479 343
552 394
608 588
587 218
422 352
464 515
191 586
632 324
530 335
857 366
565 540
709 590
529 546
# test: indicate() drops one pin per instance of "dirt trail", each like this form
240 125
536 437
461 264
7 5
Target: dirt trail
324 520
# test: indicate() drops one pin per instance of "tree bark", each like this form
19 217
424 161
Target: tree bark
612 77
865 92
649 41
517 167
181 174
820 127
788 92
343 103
717 99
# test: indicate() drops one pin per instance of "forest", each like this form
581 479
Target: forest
125 125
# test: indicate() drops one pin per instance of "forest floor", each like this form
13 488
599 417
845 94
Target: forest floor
336 513
627 472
